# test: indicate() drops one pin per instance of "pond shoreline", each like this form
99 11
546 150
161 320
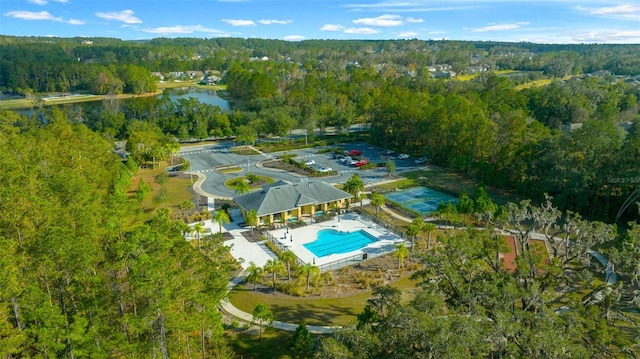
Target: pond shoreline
49 99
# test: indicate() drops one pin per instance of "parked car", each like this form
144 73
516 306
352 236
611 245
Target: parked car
345 160
403 156
310 162
325 169
354 153
420 161
360 163
388 152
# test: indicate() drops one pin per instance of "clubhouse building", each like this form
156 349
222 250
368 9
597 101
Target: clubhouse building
283 202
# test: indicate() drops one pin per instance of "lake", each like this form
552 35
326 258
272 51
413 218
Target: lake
203 95
174 94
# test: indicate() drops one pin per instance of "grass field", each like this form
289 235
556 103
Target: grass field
176 191
314 310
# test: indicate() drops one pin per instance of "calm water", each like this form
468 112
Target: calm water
205 96
331 241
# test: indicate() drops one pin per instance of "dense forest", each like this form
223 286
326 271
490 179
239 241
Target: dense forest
86 276
82 274
576 138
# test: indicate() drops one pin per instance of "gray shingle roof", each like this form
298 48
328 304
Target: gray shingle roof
283 196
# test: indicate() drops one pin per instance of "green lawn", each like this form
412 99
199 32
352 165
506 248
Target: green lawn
248 345
314 310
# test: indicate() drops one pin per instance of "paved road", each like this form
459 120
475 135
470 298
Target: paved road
205 158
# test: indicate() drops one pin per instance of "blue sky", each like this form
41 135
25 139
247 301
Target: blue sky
541 21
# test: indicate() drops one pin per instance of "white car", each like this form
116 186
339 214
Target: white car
310 162
403 156
325 169
420 161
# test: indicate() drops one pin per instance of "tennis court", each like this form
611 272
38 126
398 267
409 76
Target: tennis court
423 200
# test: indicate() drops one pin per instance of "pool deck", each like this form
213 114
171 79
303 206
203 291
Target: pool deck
257 252
294 239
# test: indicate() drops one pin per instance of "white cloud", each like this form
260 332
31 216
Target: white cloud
30 15
233 22
628 11
436 32
76 22
500 27
332 27
125 16
294 38
406 6
41 15
382 21
609 36
180 29
45 2
414 20
279 22
361 31
410 34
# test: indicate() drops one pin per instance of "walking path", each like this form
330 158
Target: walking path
230 309
254 252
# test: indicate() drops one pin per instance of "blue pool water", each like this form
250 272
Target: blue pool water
423 200
331 241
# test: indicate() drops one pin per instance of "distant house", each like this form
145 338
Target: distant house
210 80
566 129
626 127
443 74
159 75
199 75
87 42
633 80
283 201
599 73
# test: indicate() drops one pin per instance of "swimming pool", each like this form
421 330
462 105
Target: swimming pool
331 241
423 200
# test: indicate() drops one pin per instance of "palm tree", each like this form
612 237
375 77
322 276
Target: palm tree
252 219
428 228
412 232
242 187
275 267
401 253
199 229
253 273
222 217
308 270
354 186
288 257
186 207
377 200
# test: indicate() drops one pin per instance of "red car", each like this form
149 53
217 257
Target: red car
360 163
354 153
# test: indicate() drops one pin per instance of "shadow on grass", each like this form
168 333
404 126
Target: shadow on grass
313 314
247 344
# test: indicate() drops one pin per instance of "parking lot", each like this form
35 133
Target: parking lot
204 159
